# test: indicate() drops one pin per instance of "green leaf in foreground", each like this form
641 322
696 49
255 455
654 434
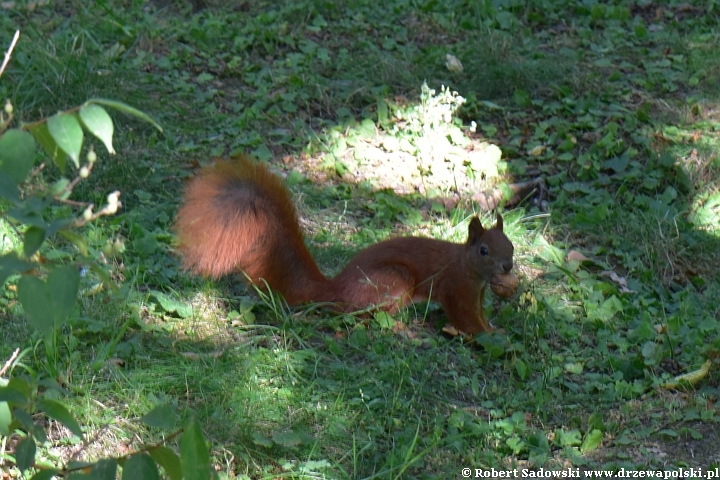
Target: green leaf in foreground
25 453
167 459
170 304
44 475
262 440
123 107
34 238
43 137
140 467
65 129
162 416
668 432
9 189
79 465
104 469
98 122
592 441
47 305
194 455
25 420
59 412
81 476
11 264
5 419
13 395
17 154
287 439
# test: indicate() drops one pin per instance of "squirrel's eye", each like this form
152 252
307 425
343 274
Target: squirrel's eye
484 250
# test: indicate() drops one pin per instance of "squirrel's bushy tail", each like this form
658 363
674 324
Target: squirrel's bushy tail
239 217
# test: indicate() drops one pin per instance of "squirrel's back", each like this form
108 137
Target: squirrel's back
237 216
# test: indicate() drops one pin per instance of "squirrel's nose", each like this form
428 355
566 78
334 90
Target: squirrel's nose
507 265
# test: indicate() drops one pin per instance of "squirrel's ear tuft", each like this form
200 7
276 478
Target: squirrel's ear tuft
499 223
475 231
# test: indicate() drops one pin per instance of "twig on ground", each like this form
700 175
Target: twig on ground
10 361
9 52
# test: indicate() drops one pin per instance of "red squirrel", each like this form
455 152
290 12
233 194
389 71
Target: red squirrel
239 217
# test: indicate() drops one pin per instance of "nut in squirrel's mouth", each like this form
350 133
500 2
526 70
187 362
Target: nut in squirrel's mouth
504 285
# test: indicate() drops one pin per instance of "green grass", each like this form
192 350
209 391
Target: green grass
622 101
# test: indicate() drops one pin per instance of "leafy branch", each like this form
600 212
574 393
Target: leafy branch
49 301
